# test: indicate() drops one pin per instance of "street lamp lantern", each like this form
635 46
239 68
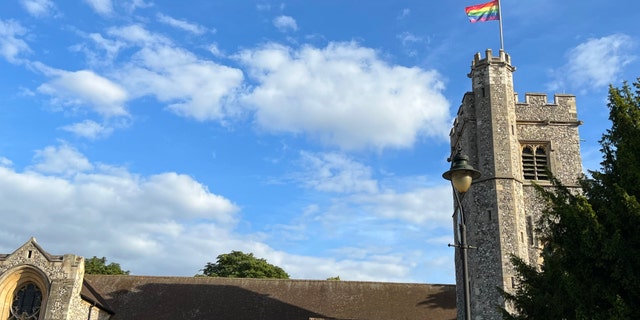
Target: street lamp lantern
461 173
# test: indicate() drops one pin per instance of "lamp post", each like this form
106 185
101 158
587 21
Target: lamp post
461 175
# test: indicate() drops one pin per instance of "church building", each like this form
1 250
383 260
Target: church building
514 144
35 285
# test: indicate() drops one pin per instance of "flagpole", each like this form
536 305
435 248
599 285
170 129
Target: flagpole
500 20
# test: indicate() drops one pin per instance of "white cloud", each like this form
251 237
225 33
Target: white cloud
101 210
38 8
430 207
352 269
11 46
191 87
333 172
215 50
138 35
89 129
84 88
345 95
161 224
181 24
102 7
173 192
408 38
109 49
4 162
378 232
595 63
284 23
351 207
64 160
131 6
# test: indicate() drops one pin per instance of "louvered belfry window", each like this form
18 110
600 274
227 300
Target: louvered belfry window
535 160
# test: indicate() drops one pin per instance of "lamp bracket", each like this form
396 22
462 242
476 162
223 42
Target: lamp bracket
461 246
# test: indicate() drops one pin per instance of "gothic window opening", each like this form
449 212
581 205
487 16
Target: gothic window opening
26 303
535 161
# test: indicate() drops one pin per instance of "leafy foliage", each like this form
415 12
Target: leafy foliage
97 265
238 264
592 240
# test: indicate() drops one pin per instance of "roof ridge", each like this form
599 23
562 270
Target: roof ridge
273 279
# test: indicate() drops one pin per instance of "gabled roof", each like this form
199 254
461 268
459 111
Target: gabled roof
184 298
34 244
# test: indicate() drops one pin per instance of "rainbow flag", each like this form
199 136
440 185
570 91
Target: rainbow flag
483 12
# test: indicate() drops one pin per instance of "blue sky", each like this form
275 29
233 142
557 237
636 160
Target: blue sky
310 133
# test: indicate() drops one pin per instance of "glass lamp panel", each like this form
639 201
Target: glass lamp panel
461 180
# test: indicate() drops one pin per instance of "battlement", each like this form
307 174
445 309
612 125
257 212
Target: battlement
536 107
541 99
502 57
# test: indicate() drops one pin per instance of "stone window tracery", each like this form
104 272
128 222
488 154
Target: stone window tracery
27 301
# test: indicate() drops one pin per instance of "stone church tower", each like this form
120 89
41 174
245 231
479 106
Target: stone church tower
512 144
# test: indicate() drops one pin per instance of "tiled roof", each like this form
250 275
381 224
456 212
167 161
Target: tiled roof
89 294
177 298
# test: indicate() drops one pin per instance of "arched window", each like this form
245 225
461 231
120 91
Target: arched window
26 303
535 162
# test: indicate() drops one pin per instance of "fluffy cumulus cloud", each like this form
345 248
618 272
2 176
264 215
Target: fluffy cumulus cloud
161 224
61 160
190 86
85 88
89 129
105 210
345 96
595 63
342 95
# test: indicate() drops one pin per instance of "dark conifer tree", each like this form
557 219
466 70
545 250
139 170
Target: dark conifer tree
591 252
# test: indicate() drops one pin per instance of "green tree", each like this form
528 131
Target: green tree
238 264
97 265
592 240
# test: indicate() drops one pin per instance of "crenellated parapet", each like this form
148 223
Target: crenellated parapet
502 59
537 108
